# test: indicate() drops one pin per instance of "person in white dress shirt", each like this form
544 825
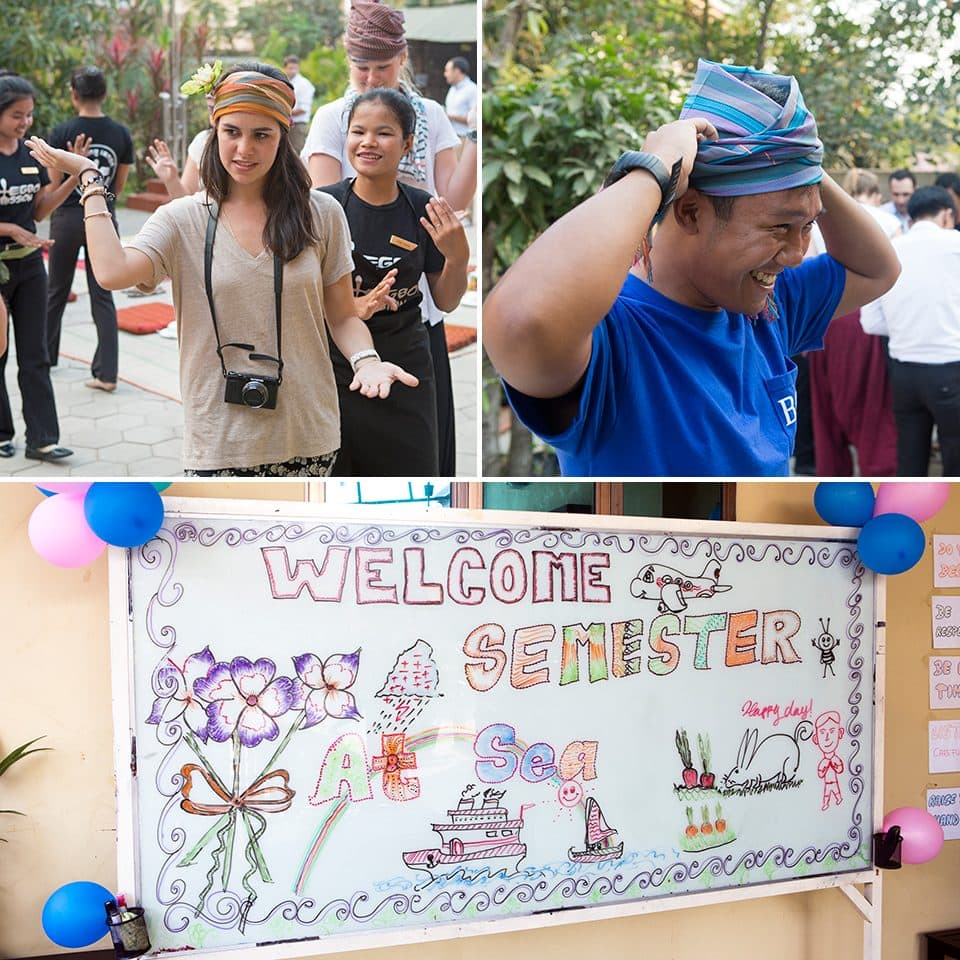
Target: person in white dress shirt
921 315
304 90
902 183
462 95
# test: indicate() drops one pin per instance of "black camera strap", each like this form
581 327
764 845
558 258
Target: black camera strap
208 284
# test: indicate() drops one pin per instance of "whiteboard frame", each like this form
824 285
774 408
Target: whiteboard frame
868 902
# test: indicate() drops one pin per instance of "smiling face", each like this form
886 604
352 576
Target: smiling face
375 140
248 144
828 736
825 641
17 119
367 74
570 793
739 258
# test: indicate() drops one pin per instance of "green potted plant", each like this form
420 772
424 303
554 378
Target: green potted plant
24 750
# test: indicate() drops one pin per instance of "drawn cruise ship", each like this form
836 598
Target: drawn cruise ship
475 835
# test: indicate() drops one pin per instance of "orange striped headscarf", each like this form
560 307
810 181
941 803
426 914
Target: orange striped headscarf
249 91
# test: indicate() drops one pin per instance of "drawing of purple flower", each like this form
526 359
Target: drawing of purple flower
244 697
182 700
322 690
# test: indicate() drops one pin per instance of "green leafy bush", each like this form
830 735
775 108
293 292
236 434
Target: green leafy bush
551 134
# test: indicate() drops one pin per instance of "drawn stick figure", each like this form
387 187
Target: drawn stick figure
826 643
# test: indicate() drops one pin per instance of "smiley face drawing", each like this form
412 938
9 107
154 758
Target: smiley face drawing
570 793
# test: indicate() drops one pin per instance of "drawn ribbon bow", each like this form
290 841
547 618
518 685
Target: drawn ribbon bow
261 795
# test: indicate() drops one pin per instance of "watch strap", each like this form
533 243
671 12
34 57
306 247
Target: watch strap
667 179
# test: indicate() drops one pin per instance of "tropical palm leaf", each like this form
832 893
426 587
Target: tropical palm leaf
19 753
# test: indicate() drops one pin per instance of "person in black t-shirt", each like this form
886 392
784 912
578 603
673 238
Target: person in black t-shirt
399 233
26 195
110 146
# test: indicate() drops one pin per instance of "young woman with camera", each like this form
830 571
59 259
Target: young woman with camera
402 233
261 270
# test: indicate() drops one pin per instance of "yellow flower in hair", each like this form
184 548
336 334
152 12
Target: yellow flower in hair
204 80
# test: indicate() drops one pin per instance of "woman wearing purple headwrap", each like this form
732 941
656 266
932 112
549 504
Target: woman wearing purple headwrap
681 366
377 50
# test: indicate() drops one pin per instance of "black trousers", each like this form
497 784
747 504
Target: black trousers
66 227
446 420
26 296
925 394
395 437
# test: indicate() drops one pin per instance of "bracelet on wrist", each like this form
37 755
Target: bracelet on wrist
96 178
97 213
96 192
357 359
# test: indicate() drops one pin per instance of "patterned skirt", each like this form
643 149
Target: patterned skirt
297 467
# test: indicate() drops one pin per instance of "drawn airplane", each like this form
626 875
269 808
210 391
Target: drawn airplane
673 587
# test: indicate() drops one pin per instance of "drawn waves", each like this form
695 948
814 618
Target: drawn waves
224 910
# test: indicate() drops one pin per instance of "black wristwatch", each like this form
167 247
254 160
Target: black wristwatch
667 180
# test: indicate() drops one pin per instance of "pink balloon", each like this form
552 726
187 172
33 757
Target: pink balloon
919 500
75 488
59 532
921 832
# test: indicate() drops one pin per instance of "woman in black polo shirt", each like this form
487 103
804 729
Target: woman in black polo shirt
26 195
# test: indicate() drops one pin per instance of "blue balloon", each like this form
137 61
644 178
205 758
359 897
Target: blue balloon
74 916
844 504
123 514
891 543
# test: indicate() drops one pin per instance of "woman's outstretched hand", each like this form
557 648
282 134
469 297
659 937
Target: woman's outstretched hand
375 377
446 230
66 161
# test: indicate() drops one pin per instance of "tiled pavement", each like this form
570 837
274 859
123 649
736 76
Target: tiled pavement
137 430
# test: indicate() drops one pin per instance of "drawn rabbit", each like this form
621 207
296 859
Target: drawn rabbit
772 761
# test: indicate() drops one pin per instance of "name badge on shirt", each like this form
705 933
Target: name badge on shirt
29 169
402 244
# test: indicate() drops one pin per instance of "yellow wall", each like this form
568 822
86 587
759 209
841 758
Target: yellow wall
55 681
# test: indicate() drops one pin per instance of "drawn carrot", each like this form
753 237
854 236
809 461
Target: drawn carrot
706 778
690 775
720 823
691 830
706 828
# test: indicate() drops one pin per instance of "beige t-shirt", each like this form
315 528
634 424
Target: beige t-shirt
306 421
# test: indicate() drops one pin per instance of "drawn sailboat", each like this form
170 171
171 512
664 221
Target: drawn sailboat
598 837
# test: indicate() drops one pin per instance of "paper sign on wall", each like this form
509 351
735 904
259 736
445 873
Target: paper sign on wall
946 561
944 746
945 612
945 806
944 683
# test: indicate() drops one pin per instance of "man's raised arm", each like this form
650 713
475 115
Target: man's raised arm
538 320
854 239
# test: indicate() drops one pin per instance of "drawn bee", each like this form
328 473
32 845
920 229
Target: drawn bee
826 643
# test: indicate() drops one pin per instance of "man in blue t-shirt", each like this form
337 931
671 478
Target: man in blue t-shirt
681 366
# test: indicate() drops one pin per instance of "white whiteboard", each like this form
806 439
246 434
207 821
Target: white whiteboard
526 694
